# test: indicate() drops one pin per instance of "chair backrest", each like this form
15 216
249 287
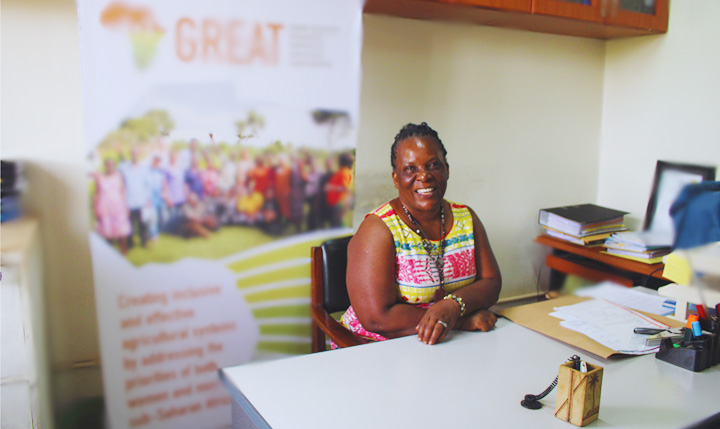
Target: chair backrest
334 269
328 294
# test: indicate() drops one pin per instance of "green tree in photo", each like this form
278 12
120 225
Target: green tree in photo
249 127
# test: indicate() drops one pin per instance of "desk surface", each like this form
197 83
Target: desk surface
473 377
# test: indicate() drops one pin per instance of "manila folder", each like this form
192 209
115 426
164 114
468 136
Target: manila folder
536 316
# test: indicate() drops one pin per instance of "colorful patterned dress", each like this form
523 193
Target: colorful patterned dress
113 218
416 275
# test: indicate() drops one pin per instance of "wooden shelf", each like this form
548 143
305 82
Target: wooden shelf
591 264
583 270
544 16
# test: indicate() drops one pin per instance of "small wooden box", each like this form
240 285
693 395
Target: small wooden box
578 394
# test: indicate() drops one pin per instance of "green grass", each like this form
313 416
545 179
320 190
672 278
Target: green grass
224 242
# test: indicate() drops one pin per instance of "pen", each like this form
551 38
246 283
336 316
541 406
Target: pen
696 330
701 311
655 340
648 331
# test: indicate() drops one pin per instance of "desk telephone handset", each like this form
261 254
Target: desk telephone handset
532 402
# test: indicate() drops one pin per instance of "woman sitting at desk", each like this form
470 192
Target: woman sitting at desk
419 264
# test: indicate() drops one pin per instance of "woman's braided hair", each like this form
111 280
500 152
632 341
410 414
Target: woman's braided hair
415 130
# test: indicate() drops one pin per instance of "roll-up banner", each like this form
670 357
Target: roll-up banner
220 139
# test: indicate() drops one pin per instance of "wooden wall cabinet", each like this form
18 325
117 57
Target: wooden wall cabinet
576 10
657 21
510 5
652 17
598 19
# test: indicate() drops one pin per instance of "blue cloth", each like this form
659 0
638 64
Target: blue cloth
696 215
193 178
156 178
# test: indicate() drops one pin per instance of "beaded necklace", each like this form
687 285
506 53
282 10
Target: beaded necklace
436 258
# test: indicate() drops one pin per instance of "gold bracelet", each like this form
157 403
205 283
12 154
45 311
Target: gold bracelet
459 301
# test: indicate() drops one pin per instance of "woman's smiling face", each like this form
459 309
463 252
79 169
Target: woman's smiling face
421 173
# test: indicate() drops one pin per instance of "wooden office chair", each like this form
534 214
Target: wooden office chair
329 294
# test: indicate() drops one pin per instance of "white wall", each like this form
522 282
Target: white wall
42 125
520 114
661 102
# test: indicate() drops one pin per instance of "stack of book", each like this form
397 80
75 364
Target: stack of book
637 247
583 224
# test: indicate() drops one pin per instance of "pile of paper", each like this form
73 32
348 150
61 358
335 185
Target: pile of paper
609 324
649 301
643 247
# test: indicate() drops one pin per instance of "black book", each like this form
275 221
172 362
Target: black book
582 219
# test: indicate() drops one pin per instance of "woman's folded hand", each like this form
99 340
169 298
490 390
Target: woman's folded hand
438 321
481 320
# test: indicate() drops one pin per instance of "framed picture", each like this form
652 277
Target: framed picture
670 178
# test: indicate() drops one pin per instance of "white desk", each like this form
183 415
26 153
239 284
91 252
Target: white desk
474 379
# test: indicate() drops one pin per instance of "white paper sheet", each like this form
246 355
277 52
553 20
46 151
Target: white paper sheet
609 324
630 298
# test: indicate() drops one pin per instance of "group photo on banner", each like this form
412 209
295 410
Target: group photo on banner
151 197
220 144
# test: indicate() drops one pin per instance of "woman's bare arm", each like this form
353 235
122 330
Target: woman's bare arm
371 282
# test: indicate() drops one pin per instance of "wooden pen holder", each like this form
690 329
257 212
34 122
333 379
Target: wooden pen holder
578 394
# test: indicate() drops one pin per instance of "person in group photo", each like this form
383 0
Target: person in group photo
289 188
199 222
157 208
271 220
137 186
194 178
249 205
419 264
110 206
339 191
175 177
312 174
